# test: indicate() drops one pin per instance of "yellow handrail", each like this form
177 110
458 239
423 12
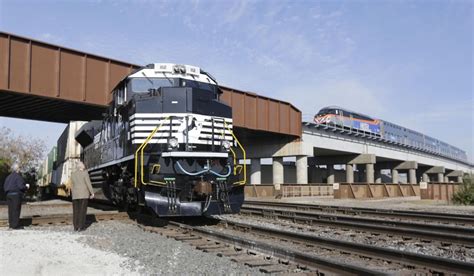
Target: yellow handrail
235 158
141 148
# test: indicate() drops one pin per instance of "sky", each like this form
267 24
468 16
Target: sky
408 62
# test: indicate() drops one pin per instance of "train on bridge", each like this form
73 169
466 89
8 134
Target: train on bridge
362 124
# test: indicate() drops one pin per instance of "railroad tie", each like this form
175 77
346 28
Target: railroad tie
210 246
187 238
242 258
258 263
229 253
273 269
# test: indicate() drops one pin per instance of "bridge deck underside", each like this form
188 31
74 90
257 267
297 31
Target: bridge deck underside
25 106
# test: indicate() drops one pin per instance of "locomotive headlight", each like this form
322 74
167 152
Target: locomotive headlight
226 145
173 142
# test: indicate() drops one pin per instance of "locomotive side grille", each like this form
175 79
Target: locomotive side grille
201 129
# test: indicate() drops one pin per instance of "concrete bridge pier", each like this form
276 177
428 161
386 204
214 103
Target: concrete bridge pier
278 172
378 174
349 173
411 167
302 169
438 171
395 178
412 176
255 171
330 171
369 173
456 175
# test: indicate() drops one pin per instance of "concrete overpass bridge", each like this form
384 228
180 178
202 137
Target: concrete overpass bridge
359 157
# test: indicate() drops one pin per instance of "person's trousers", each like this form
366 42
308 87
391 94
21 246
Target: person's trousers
14 209
79 212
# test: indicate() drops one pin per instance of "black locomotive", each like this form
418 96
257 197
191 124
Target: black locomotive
166 143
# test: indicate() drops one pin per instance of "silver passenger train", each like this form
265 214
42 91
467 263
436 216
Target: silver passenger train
393 133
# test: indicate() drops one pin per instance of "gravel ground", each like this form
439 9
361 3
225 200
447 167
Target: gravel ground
414 245
120 246
46 252
409 203
43 208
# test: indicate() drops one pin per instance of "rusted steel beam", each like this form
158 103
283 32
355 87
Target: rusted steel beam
37 68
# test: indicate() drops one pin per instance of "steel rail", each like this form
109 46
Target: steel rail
65 219
444 233
282 252
440 217
425 261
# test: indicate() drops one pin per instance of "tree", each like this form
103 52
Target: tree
27 152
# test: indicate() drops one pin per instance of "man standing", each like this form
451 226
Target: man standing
81 191
14 188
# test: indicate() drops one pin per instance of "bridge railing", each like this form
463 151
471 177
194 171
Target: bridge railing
432 191
289 190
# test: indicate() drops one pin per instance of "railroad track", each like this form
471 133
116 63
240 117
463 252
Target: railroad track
267 257
66 219
92 203
443 233
416 263
281 251
446 218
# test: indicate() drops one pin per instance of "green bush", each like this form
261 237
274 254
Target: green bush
465 195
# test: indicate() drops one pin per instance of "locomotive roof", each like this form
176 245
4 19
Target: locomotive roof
172 70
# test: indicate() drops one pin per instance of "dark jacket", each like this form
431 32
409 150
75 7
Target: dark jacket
14 184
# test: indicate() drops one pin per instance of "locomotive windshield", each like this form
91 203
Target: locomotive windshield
323 112
142 85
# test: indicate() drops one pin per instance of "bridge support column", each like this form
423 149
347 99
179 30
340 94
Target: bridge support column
378 175
255 171
458 174
395 176
439 171
425 177
349 173
369 173
412 176
278 172
330 169
446 179
302 169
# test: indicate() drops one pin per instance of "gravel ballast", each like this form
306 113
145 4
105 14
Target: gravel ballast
393 241
108 248
38 252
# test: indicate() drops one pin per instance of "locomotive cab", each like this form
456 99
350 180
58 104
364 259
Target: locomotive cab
167 143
